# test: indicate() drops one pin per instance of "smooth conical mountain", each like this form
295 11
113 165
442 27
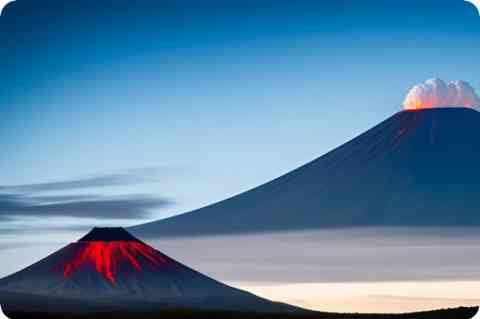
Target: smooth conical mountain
109 269
417 168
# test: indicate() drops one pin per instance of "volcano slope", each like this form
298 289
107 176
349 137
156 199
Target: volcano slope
417 168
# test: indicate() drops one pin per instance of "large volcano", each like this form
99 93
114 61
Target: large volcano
417 168
109 269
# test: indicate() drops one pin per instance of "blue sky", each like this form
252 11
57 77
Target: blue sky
175 104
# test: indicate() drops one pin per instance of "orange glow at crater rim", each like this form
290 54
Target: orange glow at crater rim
420 105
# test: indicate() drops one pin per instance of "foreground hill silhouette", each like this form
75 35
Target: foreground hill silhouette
109 273
92 311
417 168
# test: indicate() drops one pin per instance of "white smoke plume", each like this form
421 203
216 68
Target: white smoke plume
435 93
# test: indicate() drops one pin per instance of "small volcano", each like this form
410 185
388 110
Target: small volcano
110 268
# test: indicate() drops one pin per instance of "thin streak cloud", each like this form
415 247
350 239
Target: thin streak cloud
58 198
131 177
116 207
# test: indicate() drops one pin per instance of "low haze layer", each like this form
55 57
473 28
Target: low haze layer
337 270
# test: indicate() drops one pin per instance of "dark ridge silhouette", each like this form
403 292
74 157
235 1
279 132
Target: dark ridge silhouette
155 311
417 168
108 234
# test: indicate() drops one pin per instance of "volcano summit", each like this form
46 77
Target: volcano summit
417 168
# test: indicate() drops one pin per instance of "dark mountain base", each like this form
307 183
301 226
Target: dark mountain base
22 306
17 305
454 313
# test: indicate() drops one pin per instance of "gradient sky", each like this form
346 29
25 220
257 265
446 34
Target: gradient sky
158 107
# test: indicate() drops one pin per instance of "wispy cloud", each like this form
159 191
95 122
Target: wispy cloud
134 176
8 230
50 200
99 207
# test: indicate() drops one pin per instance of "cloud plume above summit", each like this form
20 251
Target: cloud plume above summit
435 93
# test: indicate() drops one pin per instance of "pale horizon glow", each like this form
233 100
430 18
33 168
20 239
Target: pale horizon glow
389 297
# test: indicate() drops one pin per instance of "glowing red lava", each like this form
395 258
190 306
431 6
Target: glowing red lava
107 257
